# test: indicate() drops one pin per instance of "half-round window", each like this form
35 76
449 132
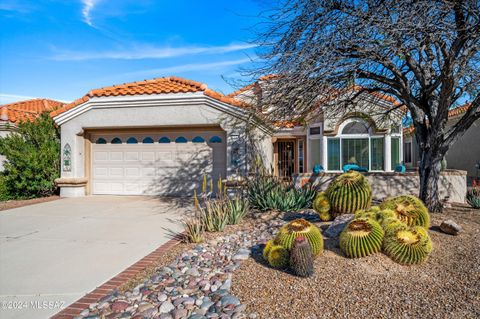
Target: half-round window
356 127
164 140
147 140
198 139
101 140
181 139
215 139
132 140
116 140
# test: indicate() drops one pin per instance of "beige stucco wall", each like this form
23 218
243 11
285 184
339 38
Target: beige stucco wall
465 152
452 184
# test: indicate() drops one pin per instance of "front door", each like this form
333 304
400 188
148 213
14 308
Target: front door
286 158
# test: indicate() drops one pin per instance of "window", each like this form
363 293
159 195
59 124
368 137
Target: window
215 139
356 127
132 140
355 151
198 139
181 139
395 152
147 140
300 156
333 152
376 151
101 140
116 140
315 130
164 140
407 152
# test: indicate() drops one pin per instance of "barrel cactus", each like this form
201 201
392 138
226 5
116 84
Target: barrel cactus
391 224
300 227
322 206
278 256
362 237
408 245
348 193
376 214
408 209
267 248
301 258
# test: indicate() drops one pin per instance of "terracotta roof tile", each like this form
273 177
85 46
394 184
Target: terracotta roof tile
170 84
27 110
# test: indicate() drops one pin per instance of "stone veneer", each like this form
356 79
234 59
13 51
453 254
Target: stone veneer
452 183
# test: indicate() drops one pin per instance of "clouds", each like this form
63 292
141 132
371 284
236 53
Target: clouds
88 6
148 52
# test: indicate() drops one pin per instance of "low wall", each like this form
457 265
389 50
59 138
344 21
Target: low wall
452 183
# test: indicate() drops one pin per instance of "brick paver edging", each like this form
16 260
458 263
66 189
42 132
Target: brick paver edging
78 306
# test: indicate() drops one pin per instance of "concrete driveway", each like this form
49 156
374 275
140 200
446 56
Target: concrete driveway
59 251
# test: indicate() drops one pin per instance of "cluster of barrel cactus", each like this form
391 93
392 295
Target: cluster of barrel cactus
296 245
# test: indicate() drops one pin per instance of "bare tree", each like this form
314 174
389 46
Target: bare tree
423 53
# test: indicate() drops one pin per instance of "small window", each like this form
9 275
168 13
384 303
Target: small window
215 139
116 140
147 140
198 139
132 140
101 140
315 130
181 139
355 128
164 140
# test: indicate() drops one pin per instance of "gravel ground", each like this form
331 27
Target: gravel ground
446 286
9 204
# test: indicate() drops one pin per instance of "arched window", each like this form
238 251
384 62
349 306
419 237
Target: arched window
116 140
147 140
198 139
215 139
164 140
101 140
355 127
181 139
132 140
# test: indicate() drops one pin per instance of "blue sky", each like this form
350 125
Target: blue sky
63 49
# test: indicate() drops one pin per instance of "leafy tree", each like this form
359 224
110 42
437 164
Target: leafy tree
425 53
32 158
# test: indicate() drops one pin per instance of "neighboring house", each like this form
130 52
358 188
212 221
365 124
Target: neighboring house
464 154
161 136
14 113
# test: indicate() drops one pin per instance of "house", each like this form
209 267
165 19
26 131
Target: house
161 136
14 113
464 154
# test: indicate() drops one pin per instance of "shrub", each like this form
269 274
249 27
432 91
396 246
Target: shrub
266 192
4 195
32 158
473 196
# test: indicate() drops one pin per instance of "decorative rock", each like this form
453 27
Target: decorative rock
179 313
230 300
162 297
213 288
338 225
166 307
119 306
450 227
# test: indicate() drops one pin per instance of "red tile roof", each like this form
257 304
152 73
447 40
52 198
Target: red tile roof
453 112
163 85
27 110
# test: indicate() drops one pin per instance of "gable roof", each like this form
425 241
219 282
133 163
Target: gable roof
163 85
27 110
452 113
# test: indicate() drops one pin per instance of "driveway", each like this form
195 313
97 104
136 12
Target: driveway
59 251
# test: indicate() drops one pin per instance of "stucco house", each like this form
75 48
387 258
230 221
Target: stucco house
160 136
464 154
13 113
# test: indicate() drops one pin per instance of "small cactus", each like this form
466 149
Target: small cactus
322 206
301 258
278 256
267 248
300 227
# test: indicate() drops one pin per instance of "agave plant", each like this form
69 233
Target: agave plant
473 196
212 214
236 209
194 230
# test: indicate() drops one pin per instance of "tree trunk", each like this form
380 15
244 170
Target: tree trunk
429 170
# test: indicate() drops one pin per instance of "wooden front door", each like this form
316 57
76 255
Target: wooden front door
286 158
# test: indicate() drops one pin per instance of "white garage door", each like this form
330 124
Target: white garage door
169 163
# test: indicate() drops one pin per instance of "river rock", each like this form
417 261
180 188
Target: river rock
450 227
338 225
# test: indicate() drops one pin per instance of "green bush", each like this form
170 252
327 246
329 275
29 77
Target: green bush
4 195
269 193
32 158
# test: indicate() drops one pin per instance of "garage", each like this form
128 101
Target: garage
156 162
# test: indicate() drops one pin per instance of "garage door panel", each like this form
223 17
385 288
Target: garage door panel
157 168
